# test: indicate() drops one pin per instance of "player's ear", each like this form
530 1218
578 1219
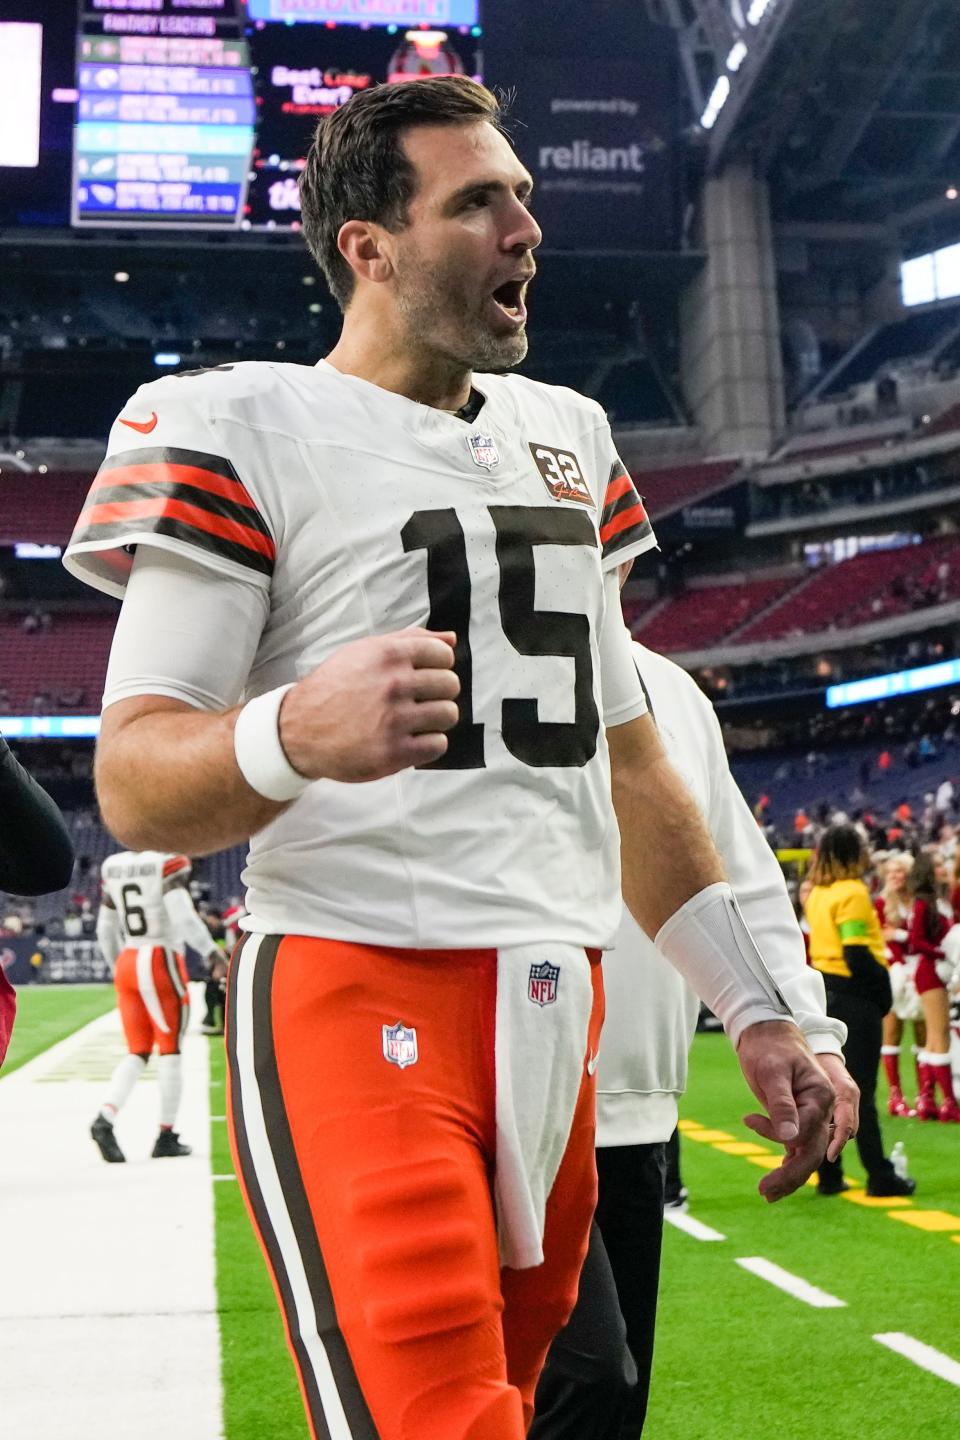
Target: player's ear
360 244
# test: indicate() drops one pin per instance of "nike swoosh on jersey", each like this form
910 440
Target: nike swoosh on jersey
592 1062
143 426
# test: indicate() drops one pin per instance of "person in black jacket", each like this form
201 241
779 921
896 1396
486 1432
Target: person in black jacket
36 854
848 948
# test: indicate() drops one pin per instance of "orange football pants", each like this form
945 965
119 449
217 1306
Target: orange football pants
370 1187
154 998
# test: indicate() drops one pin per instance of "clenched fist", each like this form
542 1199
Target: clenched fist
377 706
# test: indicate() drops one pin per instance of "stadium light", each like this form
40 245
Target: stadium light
166 357
737 56
758 9
718 98
898 682
30 550
49 727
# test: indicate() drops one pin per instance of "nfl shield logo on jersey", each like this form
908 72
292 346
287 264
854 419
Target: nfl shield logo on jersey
400 1045
484 450
542 985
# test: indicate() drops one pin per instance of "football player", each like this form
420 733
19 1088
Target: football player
146 917
372 613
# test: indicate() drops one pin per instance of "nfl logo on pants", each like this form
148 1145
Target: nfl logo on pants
400 1045
542 985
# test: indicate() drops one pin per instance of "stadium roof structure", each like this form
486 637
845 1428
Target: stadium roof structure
850 108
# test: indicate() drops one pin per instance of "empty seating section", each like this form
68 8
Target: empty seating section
704 616
949 420
868 587
915 335
55 668
667 489
42 508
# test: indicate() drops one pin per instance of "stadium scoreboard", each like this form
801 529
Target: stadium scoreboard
195 114
165 114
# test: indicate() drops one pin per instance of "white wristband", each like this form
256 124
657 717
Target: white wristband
707 940
256 744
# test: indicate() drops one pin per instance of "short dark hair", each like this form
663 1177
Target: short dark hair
841 855
356 167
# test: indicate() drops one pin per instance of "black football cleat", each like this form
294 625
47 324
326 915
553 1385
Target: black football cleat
102 1132
169 1143
833 1187
891 1184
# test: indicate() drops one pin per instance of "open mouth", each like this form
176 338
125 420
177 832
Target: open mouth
509 298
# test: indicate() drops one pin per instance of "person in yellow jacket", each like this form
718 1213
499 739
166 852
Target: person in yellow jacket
847 947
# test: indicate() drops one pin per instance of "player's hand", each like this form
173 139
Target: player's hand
377 706
846 1103
786 1079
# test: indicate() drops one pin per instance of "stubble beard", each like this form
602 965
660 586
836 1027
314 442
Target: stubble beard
437 318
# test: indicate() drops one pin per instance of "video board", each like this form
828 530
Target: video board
165 113
306 71
402 13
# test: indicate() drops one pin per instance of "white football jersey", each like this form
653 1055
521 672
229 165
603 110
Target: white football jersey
134 885
357 512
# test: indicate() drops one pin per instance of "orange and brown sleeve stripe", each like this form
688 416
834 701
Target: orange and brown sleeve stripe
187 495
623 520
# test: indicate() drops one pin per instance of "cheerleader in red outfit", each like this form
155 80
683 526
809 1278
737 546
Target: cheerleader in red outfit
928 925
893 906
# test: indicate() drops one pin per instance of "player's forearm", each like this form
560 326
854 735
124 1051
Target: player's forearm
167 779
666 853
673 884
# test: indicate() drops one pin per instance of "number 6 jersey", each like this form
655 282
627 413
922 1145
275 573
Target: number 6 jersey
337 510
135 885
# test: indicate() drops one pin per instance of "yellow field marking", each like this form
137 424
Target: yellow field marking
877 1202
741 1147
709 1137
766 1162
934 1220
686 1125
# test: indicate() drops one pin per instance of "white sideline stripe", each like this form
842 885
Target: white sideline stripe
54 1056
792 1284
120 1308
690 1226
223 1177
273 1197
923 1355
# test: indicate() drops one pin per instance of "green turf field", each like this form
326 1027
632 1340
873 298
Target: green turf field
736 1357
261 1398
46 1014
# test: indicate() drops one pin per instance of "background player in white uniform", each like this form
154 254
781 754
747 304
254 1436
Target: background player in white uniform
588 1388
146 917
414 577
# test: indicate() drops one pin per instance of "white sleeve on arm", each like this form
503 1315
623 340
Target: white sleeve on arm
623 694
757 882
108 935
185 632
187 923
